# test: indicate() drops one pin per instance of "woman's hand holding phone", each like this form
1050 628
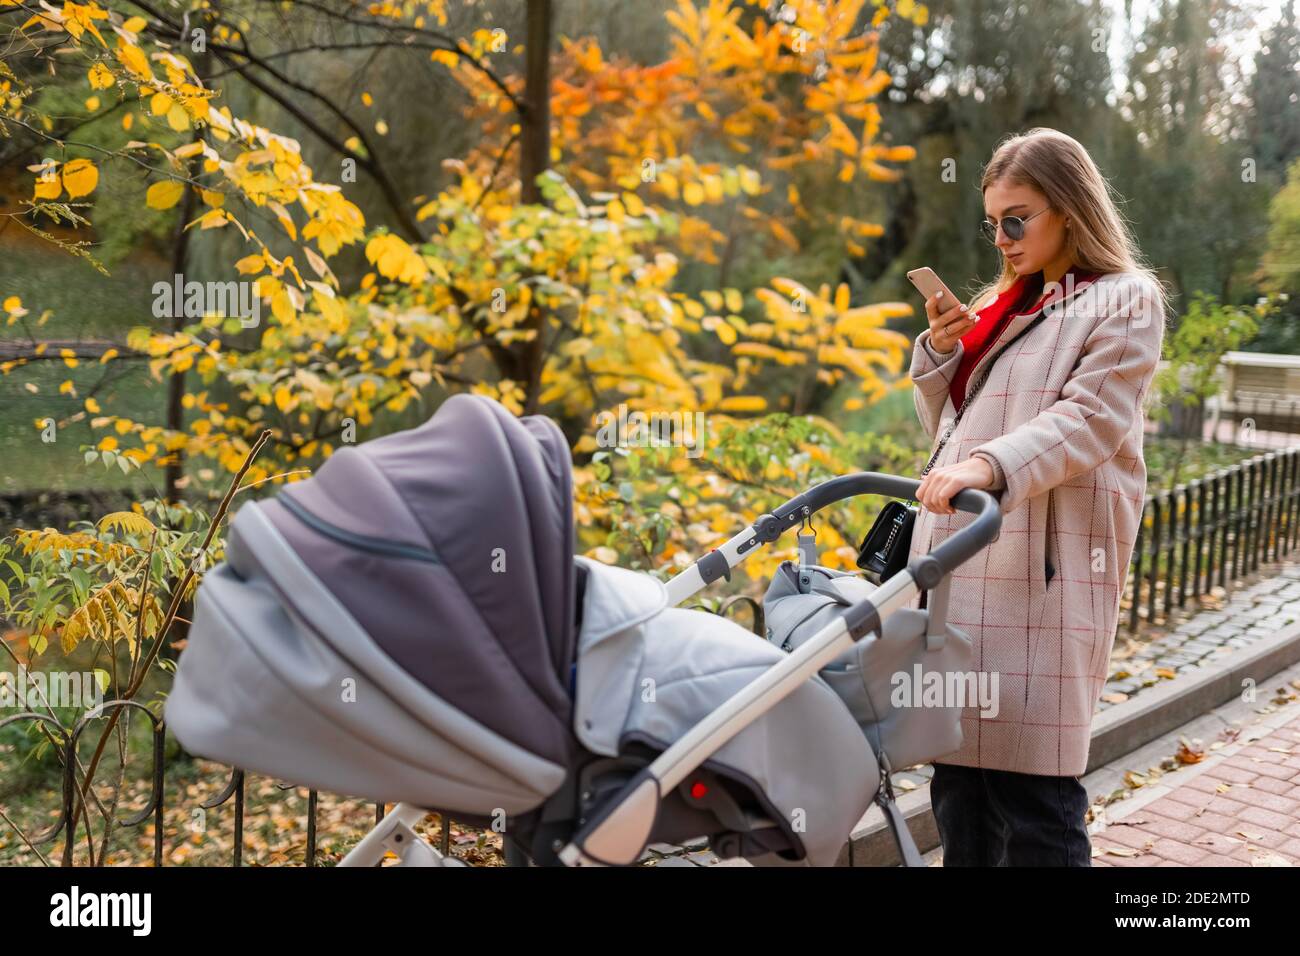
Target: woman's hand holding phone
949 321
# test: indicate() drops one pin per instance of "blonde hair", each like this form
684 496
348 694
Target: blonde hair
1058 166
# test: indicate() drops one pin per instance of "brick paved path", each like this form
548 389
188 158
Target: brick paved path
1239 807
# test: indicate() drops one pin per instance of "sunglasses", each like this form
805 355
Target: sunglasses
1013 226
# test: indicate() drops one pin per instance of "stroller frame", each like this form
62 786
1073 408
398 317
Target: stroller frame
617 833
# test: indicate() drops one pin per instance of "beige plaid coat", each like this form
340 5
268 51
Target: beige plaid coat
1060 419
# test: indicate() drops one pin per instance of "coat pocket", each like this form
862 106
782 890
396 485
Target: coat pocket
1049 541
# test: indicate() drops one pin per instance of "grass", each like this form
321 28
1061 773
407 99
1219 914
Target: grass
1203 458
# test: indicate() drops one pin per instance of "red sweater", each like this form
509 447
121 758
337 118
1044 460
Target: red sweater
1025 295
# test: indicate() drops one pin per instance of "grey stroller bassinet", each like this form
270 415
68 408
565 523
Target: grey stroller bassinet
410 626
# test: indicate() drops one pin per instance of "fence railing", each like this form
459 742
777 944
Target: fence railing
74 791
1211 531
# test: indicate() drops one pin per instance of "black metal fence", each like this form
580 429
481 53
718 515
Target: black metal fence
73 811
1210 531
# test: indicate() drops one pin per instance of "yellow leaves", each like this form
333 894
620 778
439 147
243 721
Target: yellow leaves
80 177
126 522
693 194
860 227
109 615
780 310
743 403
133 58
395 259
215 219
251 265
335 221
897 154
880 173
100 77
49 182
164 194
285 220
761 350
284 399
725 332
784 235
92 406
80 18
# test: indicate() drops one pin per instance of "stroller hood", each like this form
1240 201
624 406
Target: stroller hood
400 625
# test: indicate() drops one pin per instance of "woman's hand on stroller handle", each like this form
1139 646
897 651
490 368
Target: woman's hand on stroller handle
937 488
927 570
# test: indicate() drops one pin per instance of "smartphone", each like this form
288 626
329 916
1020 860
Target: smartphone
927 283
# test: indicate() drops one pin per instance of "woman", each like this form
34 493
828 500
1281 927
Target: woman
1056 430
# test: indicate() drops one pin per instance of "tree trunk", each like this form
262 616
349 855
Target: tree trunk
535 124
534 159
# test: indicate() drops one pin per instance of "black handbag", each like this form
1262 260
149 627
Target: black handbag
885 549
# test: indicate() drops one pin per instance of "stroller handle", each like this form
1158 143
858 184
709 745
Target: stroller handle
927 570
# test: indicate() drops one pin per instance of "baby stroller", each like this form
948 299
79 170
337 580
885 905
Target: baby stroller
410 625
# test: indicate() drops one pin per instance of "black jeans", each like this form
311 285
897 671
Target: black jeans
1003 818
